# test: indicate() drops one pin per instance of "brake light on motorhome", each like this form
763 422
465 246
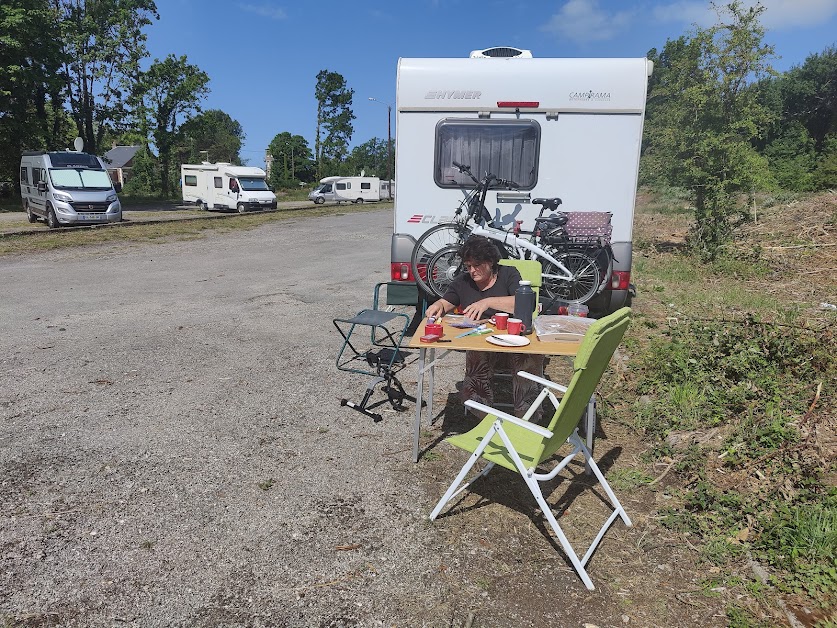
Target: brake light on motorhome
620 280
400 271
519 104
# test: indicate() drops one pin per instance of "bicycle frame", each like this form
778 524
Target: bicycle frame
509 239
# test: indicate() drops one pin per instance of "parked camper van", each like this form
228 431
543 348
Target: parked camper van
224 186
568 128
67 188
346 190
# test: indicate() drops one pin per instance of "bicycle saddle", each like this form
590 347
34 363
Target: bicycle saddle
548 203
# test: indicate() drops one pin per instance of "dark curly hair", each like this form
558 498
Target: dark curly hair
479 249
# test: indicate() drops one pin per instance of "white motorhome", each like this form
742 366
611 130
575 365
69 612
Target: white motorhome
347 190
568 128
67 188
224 186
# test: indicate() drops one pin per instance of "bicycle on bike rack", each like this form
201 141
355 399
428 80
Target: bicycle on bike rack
574 269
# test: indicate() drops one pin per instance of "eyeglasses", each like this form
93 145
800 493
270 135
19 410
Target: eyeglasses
469 267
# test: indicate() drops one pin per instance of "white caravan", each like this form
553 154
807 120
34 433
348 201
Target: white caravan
568 128
67 188
224 186
346 190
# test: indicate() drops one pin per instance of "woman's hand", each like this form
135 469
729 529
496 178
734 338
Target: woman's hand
477 309
438 309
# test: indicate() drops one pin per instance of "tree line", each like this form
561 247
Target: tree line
721 123
75 68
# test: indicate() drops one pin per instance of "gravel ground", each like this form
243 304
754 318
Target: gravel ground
173 453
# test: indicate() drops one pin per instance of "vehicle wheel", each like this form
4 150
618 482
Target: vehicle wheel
586 278
435 239
52 219
319 200
29 215
359 200
242 208
442 269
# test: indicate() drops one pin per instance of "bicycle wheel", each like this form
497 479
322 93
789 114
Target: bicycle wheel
442 267
450 234
584 284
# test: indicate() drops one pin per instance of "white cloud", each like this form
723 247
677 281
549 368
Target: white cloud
778 14
264 10
585 21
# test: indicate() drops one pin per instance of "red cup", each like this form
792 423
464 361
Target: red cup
501 320
434 328
515 326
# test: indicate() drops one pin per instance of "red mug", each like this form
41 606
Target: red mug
515 327
501 320
434 328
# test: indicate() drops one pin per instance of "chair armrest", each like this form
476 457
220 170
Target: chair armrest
542 381
537 429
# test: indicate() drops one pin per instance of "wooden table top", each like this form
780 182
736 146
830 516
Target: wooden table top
479 342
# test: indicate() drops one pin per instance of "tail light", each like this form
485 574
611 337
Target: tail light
620 280
401 271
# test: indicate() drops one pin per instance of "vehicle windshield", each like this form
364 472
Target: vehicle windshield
253 184
80 179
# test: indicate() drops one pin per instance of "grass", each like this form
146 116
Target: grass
202 225
713 347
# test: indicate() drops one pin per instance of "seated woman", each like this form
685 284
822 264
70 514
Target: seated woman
488 288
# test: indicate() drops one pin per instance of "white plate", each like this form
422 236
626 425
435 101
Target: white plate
507 340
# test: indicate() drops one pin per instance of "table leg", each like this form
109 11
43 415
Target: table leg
419 395
431 382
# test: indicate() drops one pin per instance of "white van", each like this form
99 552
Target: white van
67 188
347 190
568 128
224 186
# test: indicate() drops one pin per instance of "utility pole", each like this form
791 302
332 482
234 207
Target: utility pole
389 143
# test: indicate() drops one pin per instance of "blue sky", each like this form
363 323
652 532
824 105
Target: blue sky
263 56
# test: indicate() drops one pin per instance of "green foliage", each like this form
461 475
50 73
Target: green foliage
210 136
170 90
825 176
334 119
703 115
292 161
103 43
31 114
801 539
144 176
709 372
792 159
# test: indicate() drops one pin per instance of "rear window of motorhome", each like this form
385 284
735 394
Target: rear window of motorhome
24 176
506 148
190 180
69 160
365 186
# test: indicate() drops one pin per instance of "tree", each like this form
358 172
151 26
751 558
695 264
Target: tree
171 90
792 158
292 160
371 157
31 114
212 135
334 119
103 44
704 115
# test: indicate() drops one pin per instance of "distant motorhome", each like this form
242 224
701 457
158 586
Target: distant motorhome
67 188
224 186
348 190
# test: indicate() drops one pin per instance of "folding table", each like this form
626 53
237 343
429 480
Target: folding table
427 364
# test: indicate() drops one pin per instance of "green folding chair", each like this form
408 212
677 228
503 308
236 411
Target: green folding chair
521 446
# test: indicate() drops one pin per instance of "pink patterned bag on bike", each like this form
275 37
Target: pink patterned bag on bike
589 226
